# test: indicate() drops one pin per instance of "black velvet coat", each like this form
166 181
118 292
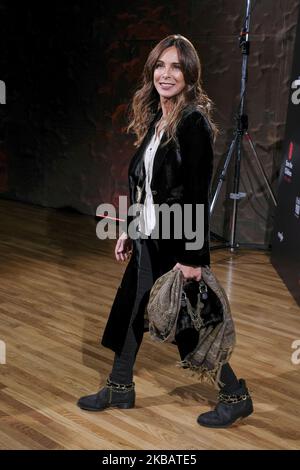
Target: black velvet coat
181 174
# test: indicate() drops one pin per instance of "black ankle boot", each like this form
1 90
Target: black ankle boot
112 395
229 408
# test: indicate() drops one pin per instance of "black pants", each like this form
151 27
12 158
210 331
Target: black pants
122 371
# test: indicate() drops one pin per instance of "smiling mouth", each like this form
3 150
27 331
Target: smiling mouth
167 84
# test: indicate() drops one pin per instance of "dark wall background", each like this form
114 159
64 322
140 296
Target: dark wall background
71 67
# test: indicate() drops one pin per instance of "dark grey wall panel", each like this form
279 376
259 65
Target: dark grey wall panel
286 235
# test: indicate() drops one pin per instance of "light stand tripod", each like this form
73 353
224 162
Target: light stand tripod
240 131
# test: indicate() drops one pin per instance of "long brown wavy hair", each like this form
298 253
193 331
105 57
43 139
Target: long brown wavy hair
146 100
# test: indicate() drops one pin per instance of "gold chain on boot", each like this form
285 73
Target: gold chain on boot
230 399
119 387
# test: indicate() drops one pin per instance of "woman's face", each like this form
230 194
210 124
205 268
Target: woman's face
168 77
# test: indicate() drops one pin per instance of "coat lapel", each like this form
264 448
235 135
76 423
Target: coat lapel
159 156
138 155
136 166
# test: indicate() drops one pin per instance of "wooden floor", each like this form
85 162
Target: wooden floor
58 282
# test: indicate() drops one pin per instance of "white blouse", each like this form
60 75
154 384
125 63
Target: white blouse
147 216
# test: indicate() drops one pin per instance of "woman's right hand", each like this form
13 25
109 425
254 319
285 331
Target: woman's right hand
123 247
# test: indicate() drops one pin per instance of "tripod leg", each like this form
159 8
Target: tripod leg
261 168
236 195
223 174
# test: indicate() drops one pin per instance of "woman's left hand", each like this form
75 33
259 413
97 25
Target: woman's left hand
189 272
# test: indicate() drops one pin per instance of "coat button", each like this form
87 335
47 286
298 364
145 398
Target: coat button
154 192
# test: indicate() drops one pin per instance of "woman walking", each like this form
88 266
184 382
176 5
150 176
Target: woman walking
170 116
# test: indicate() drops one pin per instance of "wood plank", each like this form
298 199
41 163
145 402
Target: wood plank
58 282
